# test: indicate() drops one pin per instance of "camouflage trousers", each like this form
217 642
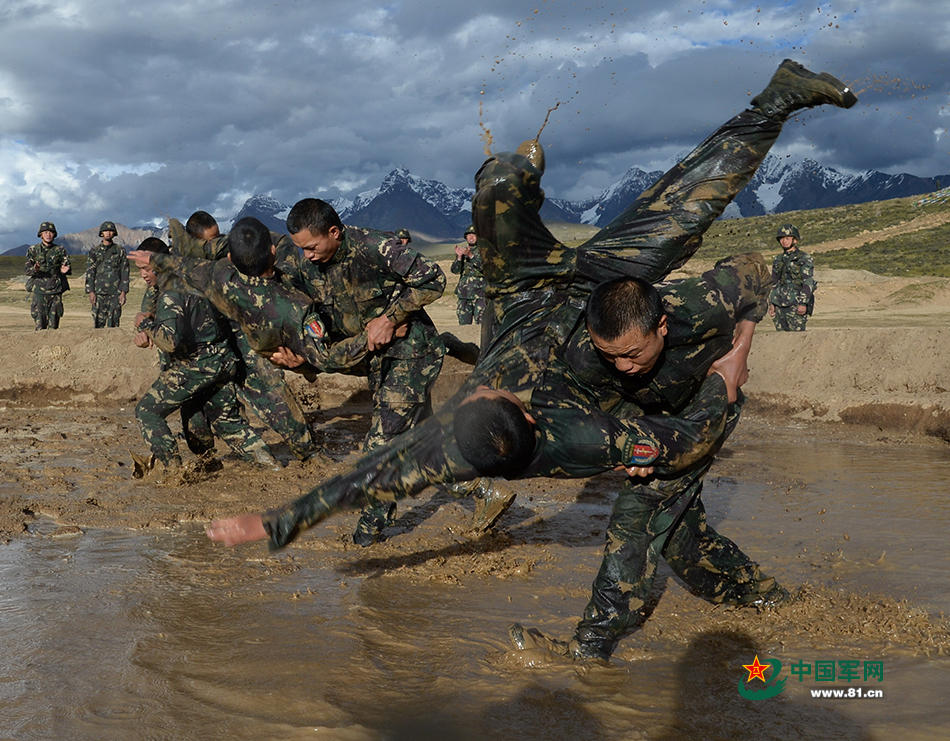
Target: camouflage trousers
663 519
787 319
204 388
46 310
262 388
470 309
106 311
402 397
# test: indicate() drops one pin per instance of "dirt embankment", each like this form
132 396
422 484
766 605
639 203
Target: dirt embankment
877 351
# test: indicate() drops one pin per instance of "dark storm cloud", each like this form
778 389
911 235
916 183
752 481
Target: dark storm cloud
135 112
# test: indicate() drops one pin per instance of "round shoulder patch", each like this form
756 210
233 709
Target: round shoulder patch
314 327
643 452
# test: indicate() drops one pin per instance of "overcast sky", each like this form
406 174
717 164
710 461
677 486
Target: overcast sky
130 111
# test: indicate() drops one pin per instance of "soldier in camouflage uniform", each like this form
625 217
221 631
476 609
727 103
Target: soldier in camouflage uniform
198 373
793 298
107 278
261 384
47 266
470 289
364 280
584 391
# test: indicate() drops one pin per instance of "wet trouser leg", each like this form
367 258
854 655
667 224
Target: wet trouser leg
711 565
664 226
402 399
265 390
643 518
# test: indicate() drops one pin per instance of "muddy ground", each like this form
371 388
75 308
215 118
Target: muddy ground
836 481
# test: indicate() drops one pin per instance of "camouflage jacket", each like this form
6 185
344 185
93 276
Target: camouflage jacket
269 312
575 441
372 274
702 313
469 270
186 328
793 279
107 270
43 268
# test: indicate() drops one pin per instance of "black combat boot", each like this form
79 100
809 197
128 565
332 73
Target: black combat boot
374 518
793 87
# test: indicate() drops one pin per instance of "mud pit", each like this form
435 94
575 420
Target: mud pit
119 616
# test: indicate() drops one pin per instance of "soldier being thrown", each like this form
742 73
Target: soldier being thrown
545 365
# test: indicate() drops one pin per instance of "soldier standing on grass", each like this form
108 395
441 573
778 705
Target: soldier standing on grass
107 278
47 266
792 299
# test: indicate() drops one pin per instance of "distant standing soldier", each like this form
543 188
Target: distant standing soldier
47 266
404 236
793 294
471 286
107 278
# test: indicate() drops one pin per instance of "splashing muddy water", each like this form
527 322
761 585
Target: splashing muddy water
121 620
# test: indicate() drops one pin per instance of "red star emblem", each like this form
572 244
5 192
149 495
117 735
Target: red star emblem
756 670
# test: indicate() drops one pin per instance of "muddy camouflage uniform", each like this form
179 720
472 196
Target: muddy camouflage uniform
107 275
198 373
261 385
537 289
47 283
793 276
371 275
470 290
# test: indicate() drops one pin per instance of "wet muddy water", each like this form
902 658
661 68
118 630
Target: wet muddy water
155 632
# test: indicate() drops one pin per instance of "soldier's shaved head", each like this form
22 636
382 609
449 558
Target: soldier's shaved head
250 247
314 215
617 306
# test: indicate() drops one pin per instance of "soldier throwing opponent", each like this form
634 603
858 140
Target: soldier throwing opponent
579 384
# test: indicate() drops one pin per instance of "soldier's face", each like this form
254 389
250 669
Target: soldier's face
403 240
318 247
471 239
212 232
787 242
633 352
47 236
108 235
148 275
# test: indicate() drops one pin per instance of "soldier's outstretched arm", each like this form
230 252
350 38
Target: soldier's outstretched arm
402 467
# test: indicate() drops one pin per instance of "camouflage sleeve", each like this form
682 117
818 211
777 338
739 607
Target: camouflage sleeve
586 441
165 328
457 265
92 263
124 272
744 282
149 300
423 280
806 291
402 467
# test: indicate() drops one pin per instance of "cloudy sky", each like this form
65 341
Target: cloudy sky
130 111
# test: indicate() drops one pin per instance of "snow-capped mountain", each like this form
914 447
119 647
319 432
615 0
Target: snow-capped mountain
433 208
